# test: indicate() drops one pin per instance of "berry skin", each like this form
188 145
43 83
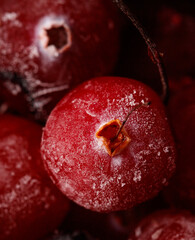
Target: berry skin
47 47
30 205
79 161
166 225
175 36
181 108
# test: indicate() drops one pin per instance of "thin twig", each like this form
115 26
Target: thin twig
151 45
132 110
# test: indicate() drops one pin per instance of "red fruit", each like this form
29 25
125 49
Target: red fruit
166 225
30 205
110 172
124 222
177 84
175 36
181 191
47 47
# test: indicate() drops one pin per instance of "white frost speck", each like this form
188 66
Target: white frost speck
9 16
12 18
33 52
138 232
156 234
90 113
116 161
164 181
137 176
166 149
40 93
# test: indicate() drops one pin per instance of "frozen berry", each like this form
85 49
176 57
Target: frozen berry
175 36
30 205
124 222
92 162
181 191
47 47
176 84
166 225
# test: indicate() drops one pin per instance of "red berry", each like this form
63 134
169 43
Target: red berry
175 37
30 205
181 191
110 172
47 47
176 84
166 225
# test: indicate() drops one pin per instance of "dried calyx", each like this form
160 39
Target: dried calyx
113 144
113 134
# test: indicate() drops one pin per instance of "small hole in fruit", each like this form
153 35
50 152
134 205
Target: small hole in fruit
58 37
54 36
114 143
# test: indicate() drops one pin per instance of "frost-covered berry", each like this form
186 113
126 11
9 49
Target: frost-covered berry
94 160
30 205
47 47
166 225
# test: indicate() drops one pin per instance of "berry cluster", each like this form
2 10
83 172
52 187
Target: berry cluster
84 155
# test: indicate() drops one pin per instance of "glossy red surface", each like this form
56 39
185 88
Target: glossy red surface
30 205
78 163
33 77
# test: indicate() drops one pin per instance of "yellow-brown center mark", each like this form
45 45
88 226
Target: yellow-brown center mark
113 141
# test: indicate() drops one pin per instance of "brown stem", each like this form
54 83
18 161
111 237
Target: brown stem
157 57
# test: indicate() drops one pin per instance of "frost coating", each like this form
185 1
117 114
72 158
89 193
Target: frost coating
11 19
30 47
87 174
137 176
25 189
166 225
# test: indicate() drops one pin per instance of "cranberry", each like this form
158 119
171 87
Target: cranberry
95 165
166 225
47 47
124 222
175 37
176 84
173 31
181 191
30 205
